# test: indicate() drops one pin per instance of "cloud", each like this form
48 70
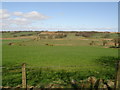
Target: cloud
4 14
18 13
35 15
19 18
20 21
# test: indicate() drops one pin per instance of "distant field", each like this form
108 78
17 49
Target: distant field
72 50
69 51
42 55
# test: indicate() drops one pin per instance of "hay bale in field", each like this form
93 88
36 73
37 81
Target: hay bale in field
49 44
11 44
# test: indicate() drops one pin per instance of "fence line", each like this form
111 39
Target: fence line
117 79
24 79
52 66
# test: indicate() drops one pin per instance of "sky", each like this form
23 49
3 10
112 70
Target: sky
73 16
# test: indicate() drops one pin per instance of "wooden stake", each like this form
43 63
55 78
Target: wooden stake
24 85
117 80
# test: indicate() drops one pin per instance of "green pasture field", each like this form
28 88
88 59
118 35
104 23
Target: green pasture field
41 55
64 54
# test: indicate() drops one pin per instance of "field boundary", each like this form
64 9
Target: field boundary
24 74
117 76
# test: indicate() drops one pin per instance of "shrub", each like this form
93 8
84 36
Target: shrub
14 35
23 35
60 35
116 41
114 47
30 34
92 43
50 36
108 61
106 36
104 42
84 34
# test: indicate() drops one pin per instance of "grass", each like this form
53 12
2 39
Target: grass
50 63
11 34
50 56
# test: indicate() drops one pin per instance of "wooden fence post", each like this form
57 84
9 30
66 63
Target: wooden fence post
24 85
117 78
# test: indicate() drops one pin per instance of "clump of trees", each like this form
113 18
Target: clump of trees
92 43
52 36
26 35
61 36
14 35
29 34
116 42
15 32
84 34
106 35
23 35
104 42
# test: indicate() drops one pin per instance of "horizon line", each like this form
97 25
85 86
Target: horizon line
60 0
60 30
